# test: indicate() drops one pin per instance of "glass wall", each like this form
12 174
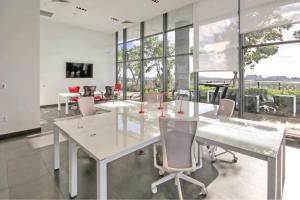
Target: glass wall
272 71
165 49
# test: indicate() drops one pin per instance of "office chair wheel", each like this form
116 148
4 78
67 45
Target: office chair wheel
203 193
235 160
154 190
161 172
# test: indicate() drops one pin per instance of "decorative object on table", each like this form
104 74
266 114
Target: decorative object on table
180 107
160 101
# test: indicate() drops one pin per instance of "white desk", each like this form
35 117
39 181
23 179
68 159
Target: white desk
109 136
68 96
261 140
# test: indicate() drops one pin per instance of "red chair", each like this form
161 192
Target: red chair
117 90
74 89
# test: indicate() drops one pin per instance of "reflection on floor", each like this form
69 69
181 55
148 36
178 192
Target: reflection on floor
26 171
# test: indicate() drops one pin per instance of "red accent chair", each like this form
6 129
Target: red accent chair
74 89
117 90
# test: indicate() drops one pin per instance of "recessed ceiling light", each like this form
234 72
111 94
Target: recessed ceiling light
155 1
127 22
81 8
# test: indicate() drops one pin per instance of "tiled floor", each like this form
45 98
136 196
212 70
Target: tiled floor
26 172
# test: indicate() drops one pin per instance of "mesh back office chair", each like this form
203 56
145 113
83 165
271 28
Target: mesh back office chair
108 93
226 109
90 91
87 106
178 150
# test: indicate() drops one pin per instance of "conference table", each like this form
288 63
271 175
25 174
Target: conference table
67 96
123 130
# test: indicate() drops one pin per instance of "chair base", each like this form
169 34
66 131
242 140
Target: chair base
177 176
213 155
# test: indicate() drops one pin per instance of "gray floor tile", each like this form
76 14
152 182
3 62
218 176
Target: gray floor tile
25 169
41 188
4 193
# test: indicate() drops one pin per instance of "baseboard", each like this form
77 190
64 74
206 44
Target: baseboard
20 133
48 106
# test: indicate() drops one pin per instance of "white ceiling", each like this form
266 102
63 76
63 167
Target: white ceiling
99 12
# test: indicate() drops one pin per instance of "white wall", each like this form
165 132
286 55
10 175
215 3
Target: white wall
19 65
61 43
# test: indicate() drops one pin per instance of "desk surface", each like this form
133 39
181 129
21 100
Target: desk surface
123 128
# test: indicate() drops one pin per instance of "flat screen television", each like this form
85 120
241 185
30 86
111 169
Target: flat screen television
79 70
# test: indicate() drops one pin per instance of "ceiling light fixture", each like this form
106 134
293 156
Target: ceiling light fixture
155 1
80 8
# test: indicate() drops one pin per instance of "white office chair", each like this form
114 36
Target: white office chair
226 109
178 152
87 106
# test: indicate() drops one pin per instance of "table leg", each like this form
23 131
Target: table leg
272 179
283 159
72 169
279 173
294 106
101 180
67 106
257 104
56 147
58 103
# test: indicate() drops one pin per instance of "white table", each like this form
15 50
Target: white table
68 96
128 131
261 140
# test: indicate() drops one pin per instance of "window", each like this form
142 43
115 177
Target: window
120 37
180 41
153 79
180 17
133 32
133 50
180 78
154 26
153 46
133 75
120 52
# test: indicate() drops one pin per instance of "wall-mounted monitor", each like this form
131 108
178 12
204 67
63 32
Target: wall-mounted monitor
79 70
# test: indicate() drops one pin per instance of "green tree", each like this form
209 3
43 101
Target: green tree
253 56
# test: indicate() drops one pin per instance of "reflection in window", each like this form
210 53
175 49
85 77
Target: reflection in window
153 46
180 78
153 79
133 81
133 50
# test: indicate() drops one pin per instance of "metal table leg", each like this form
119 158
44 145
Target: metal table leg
272 178
101 180
72 169
56 147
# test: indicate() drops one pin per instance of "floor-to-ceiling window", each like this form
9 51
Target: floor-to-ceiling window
158 45
272 71
133 67
153 58
180 43
120 60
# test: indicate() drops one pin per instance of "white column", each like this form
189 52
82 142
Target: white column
272 179
56 147
72 169
101 180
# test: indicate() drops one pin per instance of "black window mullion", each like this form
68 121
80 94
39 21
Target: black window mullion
124 65
164 61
